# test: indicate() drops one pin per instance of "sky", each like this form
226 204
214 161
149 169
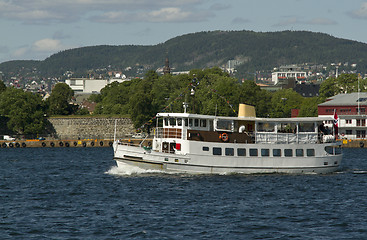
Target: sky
36 29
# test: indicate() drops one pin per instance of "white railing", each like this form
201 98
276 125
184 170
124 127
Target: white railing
265 137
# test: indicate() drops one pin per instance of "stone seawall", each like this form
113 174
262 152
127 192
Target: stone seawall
96 128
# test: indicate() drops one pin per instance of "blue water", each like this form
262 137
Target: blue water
77 193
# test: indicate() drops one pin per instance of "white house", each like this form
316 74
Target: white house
279 76
87 85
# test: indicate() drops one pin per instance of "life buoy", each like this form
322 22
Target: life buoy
224 137
361 144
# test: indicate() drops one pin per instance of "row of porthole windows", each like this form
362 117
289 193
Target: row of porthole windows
263 152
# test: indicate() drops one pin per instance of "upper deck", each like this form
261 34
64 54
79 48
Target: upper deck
209 128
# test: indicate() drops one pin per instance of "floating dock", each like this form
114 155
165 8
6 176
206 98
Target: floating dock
65 143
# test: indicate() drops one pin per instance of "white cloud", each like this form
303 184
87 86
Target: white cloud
39 49
172 14
169 15
361 12
47 45
46 11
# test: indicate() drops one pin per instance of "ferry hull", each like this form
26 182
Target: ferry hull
194 164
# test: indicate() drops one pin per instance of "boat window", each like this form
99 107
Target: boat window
190 122
179 121
333 150
253 152
265 152
166 122
241 151
287 127
225 125
217 151
229 151
277 152
299 152
172 121
288 152
196 122
186 122
202 122
265 127
306 127
206 149
310 152
160 122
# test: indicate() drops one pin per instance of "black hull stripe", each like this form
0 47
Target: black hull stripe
205 166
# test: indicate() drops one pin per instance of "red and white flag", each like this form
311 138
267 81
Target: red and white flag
336 123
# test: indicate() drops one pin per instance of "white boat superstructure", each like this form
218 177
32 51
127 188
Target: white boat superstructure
193 143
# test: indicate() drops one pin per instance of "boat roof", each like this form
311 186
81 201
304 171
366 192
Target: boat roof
256 119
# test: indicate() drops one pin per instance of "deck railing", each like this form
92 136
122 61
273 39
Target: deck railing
266 137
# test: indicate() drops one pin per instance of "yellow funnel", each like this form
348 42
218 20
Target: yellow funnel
245 110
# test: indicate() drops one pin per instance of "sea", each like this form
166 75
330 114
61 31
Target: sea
78 193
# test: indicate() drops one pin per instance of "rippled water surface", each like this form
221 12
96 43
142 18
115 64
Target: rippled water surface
77 193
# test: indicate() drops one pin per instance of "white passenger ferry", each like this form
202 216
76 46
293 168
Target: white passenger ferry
193 143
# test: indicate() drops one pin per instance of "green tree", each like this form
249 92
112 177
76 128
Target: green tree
345 83
59 100
328 88
141 109
309 107
252 94
24 110
283 101
2 86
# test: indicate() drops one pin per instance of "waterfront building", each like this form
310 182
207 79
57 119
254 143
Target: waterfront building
351 110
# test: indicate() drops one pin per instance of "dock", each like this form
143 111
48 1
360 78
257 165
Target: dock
64 143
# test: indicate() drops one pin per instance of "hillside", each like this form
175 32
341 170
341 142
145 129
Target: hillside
256 50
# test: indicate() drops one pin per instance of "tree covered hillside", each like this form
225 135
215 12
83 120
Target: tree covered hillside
256 51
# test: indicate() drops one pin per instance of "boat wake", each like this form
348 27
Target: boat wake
359 171
128 170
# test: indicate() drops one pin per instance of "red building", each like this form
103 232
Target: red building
351 109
